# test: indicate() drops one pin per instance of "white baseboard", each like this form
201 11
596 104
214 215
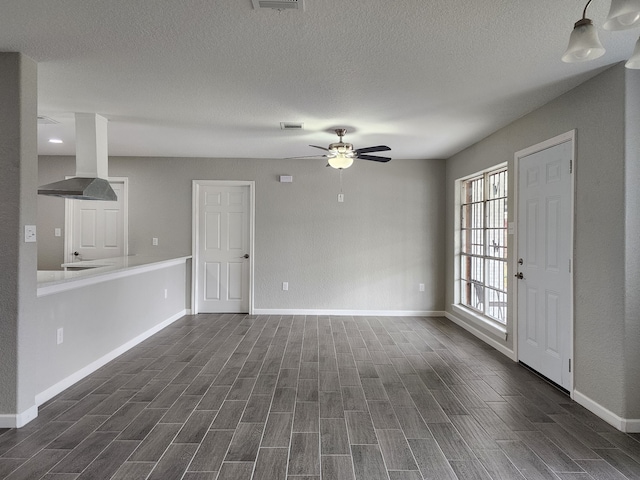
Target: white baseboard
482 336
354 313
19 420
62 385
627 425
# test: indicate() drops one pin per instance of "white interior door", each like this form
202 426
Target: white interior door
97 229
222 249
544 252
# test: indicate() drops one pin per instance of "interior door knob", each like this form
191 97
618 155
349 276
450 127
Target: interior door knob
246 255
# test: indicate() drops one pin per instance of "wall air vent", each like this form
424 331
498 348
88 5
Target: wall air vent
279 4
291 126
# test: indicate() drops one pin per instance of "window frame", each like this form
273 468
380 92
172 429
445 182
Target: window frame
493 312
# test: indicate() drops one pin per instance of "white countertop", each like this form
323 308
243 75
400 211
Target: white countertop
52 281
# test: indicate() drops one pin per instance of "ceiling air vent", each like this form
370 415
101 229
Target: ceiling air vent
279 4
291 126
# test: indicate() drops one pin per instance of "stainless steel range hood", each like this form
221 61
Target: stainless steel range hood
90 182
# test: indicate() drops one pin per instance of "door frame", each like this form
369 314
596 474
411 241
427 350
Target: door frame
195 233
69 219
569 136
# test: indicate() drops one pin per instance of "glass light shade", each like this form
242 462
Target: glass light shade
340 161
623 14
634 61
584 43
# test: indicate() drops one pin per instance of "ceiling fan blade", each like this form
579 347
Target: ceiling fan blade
321 148
373 158
379 148
307 156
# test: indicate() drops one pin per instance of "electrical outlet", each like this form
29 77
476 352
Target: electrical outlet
341 197
57 232
29 233
285 286
60 336
421 287
154 241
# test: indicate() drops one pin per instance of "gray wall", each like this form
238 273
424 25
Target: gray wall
597 110
18 164
368 253
632 250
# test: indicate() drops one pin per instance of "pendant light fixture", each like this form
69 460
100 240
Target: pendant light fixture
623 14
634 61
584 44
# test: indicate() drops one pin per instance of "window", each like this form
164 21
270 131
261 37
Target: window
483 243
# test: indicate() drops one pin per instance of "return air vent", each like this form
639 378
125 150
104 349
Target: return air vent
279 4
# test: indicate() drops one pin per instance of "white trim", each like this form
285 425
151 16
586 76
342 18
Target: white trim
93 366
468 314
19 420
195 210
481 321
69 219
482 336
106 276
627 425
569 136
354 313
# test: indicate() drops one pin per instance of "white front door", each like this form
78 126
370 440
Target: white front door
544 253
222 246
97 229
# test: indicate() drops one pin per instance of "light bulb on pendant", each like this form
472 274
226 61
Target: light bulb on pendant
623 14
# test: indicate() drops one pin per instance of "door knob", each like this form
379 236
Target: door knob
519 275
246 255
75 254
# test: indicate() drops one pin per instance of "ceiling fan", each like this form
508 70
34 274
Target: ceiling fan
341 155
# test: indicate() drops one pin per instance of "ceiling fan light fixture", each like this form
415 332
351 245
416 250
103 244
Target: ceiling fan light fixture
340 161
623 14
584 44
634 61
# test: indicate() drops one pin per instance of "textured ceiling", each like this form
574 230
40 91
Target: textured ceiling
214 78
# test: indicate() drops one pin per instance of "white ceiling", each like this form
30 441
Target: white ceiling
214 78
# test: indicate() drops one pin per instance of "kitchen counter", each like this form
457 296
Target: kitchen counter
96 271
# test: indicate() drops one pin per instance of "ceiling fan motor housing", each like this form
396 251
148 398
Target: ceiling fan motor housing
341 148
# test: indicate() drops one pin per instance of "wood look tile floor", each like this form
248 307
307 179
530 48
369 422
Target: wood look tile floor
308 398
